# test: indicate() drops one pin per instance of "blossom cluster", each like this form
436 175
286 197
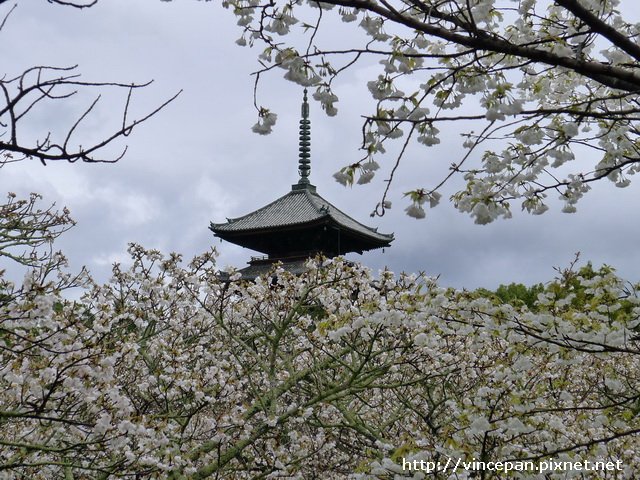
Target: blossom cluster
174 371
539 81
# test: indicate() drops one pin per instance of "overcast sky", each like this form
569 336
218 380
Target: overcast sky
198 161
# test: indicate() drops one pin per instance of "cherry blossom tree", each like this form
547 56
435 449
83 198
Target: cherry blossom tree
547 90
168 371
27 231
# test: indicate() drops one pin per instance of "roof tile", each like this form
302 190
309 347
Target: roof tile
299 206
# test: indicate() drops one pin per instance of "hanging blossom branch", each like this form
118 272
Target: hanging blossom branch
563 76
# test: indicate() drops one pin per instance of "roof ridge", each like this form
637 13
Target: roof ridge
235 219
332 206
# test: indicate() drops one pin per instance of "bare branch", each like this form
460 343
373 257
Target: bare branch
598 26
4 20
40 84
87 4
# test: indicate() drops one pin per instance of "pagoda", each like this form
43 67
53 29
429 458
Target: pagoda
298 225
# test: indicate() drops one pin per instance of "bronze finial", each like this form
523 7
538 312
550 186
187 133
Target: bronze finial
304 162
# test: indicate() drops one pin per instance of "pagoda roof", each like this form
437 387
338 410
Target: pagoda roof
254 270
301 223
301 206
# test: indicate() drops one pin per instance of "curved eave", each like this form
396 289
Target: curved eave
251 237
221 232
298 208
